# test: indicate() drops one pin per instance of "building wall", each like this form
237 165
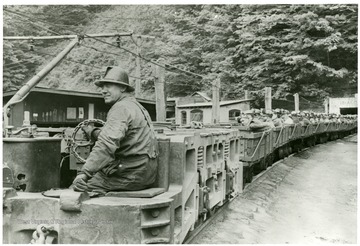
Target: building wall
335 104
207 112
224 110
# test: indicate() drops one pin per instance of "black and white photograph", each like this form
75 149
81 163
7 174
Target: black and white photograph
180 123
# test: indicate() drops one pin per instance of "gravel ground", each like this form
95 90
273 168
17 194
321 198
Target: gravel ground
308 198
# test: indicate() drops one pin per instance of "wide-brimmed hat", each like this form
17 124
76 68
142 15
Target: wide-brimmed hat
115 75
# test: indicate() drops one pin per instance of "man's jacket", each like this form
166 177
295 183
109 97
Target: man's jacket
127 134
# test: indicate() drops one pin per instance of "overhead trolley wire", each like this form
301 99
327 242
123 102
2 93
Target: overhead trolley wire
89 65
67 59
99 40
34 18
166 66
31 21
15 63
81 63
310 102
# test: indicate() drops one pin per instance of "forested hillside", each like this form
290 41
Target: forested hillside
306 49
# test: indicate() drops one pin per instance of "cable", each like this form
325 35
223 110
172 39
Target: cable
110 44
101 51
31 22
68 59
310 101
62 159
88 65
145 59
8 65
38 19
111 53
99 40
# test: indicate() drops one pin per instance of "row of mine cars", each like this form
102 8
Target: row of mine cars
199 170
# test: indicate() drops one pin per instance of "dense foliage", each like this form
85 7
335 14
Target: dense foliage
309 49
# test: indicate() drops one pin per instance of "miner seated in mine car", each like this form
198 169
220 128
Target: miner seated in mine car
251 119
124 157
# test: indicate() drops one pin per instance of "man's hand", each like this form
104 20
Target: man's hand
91 132
88 129
80 182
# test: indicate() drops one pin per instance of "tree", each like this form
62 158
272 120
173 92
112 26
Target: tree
306 49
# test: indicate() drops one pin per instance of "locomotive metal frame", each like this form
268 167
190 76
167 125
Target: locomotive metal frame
199 171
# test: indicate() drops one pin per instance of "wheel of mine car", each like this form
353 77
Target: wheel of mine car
290 149
250 174
263 164
281 153
84 141
270 160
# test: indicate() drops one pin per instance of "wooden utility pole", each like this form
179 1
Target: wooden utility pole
297 105
268 98
138 68
216 102
160 93
246 94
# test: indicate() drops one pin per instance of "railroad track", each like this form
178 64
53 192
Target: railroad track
192 235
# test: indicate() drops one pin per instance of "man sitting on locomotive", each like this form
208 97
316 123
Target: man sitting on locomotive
125 151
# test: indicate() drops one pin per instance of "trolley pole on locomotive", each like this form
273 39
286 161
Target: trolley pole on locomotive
216 102
24 91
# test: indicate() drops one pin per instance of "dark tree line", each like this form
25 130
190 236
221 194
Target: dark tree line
306 49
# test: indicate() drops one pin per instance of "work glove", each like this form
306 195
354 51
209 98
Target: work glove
91 132
79 183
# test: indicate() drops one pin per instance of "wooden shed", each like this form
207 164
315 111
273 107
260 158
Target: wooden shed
50 107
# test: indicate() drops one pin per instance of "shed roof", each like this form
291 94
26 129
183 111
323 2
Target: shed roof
69 93
209 104
203 95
